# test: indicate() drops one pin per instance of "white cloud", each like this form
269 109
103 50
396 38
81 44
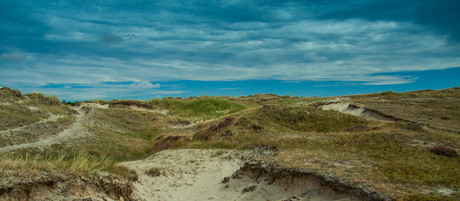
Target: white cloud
145 85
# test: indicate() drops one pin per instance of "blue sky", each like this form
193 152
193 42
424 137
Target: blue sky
81 50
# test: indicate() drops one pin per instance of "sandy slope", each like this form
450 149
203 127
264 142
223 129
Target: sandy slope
186 175
216 175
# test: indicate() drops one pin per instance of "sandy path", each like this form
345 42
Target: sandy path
75 131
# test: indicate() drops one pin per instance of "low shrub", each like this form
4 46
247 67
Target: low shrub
211 131
443 151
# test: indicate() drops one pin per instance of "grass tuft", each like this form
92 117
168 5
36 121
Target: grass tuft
39 98
68 162
154 172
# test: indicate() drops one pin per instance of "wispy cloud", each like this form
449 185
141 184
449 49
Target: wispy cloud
20 58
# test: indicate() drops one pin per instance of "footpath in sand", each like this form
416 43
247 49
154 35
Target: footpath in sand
75 131
219 175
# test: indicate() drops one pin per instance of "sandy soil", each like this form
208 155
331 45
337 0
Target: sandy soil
347 108
218 175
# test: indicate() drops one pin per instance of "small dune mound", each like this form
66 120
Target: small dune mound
354 110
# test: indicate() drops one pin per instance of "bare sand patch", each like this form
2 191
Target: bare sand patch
355 110
191 174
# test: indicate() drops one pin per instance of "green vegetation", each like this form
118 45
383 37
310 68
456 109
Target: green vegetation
203 107
123 134
308 119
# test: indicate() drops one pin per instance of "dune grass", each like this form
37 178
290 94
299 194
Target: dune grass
51 160
204 107
393 157
16 115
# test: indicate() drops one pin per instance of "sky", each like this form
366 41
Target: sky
80 50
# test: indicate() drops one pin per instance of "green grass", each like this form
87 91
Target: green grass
203 107
123 134
308 119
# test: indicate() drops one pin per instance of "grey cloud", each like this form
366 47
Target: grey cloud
108 38
218 40
14 57
438 15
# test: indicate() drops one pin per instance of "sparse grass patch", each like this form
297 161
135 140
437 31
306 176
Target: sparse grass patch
154 172
123 134
16 115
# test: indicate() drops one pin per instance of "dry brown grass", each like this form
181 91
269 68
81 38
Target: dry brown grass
437 109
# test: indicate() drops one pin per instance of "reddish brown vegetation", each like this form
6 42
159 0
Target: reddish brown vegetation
167 143
361 128
209 133
443 151
256 127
